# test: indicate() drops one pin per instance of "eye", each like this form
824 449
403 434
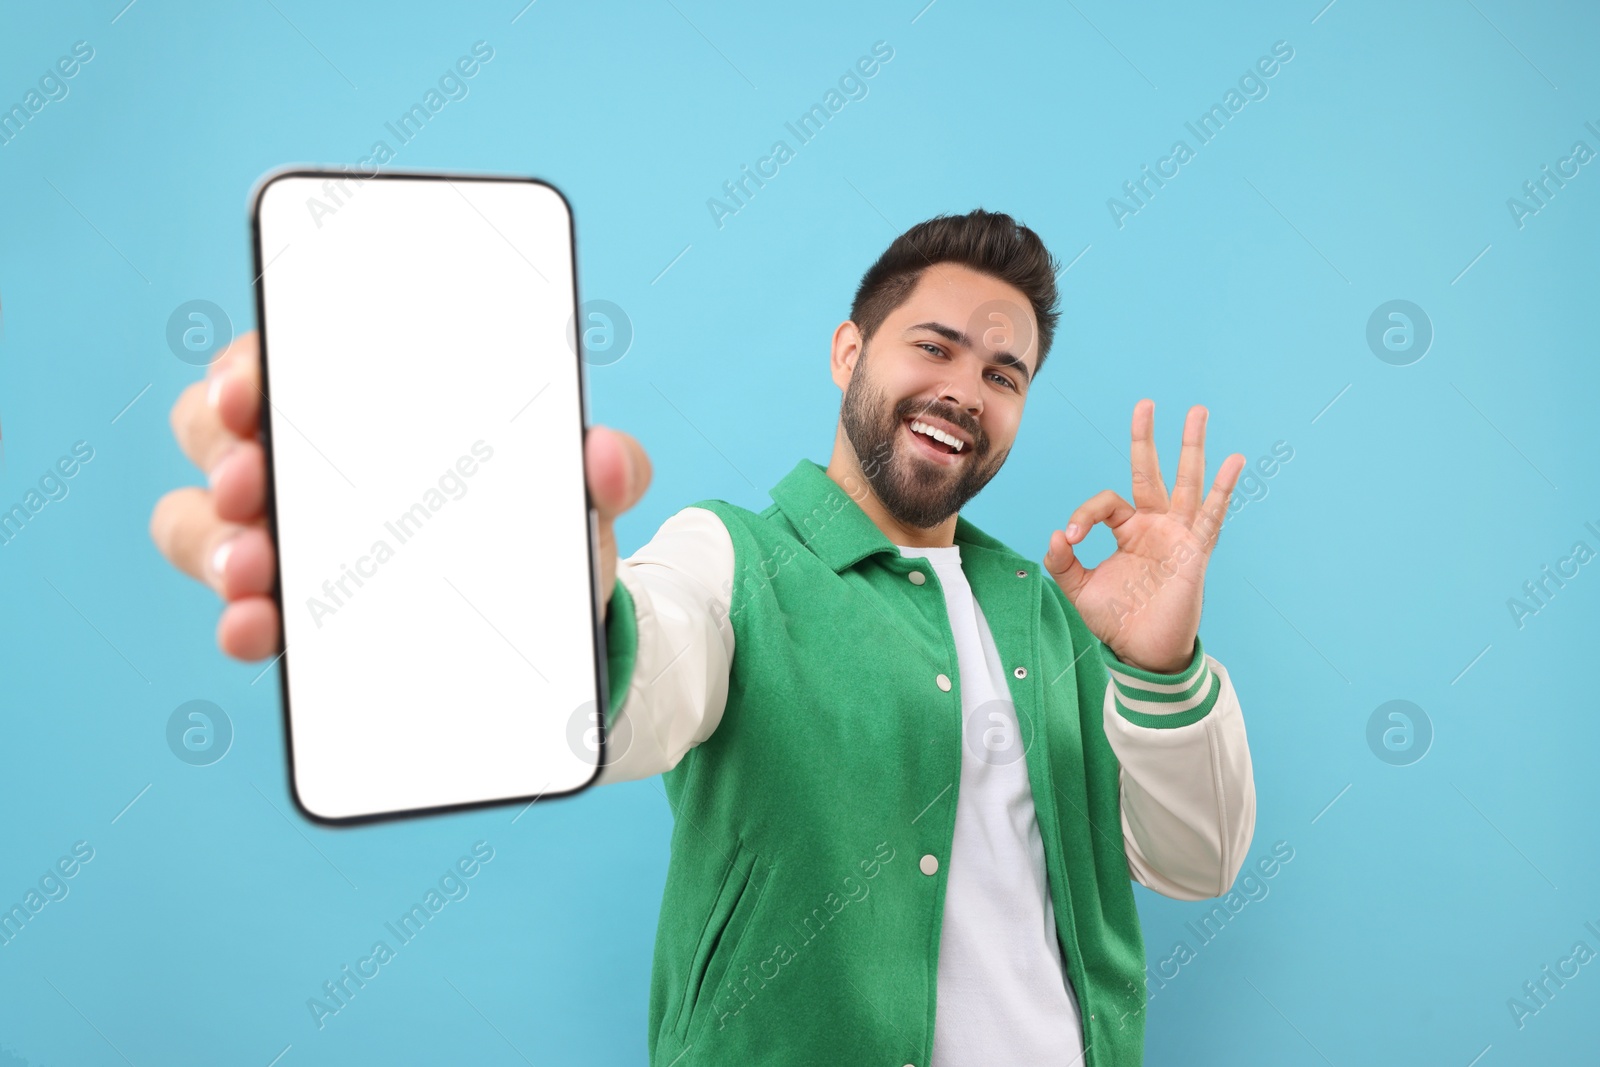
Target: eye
935 350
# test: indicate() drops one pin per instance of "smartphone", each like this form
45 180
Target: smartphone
423 417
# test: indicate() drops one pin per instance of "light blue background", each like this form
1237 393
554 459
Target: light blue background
1377 566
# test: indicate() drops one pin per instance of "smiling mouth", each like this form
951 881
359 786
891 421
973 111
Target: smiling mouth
934 449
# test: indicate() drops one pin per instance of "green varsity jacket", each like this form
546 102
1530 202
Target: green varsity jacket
794 680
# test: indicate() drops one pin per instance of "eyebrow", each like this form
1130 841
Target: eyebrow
950 333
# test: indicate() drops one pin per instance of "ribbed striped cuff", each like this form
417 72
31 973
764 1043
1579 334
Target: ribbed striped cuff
1164 701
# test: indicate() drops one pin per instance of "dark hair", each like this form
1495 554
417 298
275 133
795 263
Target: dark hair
990 242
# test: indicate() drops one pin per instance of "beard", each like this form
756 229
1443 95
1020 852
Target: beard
916 490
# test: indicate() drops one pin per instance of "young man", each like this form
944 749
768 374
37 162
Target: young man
912 771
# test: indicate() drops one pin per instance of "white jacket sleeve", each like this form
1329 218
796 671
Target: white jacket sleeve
1188 790
680 587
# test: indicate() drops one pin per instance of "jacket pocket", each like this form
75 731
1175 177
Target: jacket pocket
735 903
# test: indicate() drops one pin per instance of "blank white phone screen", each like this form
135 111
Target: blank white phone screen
425 416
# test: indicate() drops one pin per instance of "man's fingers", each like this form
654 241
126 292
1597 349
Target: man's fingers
1105 506
184 527
232 559
213 415
1149 491
248 562
239 483
1186 487
248 629
199 430
233 386
1214 512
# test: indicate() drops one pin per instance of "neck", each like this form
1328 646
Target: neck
845 468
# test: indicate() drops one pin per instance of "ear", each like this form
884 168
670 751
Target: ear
846 350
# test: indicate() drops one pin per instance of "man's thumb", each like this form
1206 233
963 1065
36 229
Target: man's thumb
612 463
1061 563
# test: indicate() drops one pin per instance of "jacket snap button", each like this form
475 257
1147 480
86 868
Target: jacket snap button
1021 672
929 863
917 577
944 683
1022 574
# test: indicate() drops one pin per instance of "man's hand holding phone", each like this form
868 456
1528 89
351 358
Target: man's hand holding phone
219 534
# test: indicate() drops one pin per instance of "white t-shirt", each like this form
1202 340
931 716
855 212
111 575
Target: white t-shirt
1003 995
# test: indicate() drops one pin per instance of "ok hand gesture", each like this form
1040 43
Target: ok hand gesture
1144 599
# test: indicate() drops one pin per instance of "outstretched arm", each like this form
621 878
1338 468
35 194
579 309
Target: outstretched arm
669 645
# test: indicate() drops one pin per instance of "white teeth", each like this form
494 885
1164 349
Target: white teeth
938 435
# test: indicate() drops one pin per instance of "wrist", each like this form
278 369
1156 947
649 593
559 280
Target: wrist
1177 665
1168 668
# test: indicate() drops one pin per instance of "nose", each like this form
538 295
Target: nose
965 391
